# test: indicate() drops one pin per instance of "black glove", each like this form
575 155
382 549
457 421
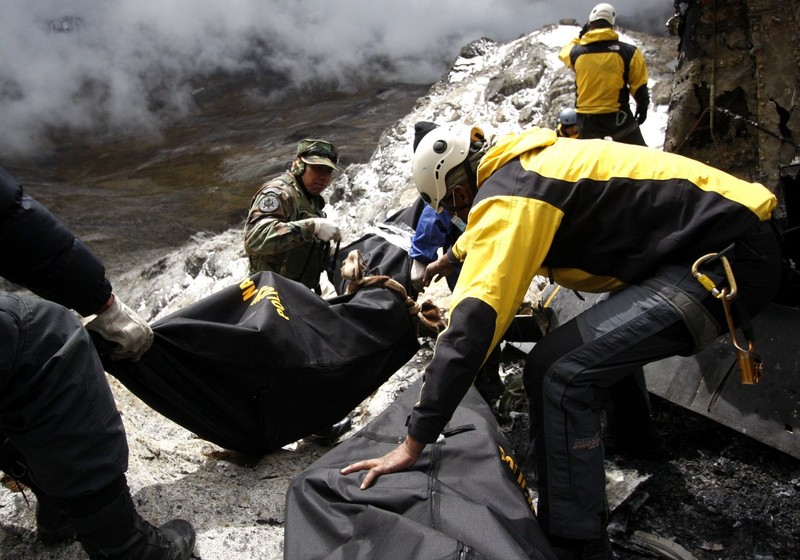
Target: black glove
642 97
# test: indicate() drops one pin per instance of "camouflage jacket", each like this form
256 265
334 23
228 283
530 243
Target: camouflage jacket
279 231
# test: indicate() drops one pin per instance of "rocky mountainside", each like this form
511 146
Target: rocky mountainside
501 87
734 96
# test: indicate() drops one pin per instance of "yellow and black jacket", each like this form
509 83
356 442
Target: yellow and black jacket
592 215
607 71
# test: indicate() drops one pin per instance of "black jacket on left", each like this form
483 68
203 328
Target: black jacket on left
38 252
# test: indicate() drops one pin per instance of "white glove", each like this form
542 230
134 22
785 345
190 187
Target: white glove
418 275
325 230
128 331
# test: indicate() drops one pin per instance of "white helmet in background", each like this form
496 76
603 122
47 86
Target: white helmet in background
603 11
440 151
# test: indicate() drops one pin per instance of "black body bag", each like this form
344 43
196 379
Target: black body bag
384 250
262 364
464 497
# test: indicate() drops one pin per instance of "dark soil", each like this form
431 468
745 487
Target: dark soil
716 494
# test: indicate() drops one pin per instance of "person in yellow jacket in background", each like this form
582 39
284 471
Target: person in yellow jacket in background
607 73
594 216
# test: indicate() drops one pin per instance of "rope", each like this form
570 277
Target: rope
758 126
736 117
427 316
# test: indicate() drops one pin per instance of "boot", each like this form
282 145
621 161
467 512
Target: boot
328 436
52 523
585 549
643 442
579 549
118 532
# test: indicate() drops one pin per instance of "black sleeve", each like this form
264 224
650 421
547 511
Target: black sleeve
40 253
642 97
460 352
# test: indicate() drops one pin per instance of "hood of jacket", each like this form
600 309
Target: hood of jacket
602 34
511 146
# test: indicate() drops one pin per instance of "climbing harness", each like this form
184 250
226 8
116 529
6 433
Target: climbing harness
750 364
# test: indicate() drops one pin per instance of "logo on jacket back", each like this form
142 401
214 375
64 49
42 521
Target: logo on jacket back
257 294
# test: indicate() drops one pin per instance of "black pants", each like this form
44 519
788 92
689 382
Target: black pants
56 406
620 127
569 369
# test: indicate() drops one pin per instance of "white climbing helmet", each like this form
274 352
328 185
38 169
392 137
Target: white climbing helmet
440 151
603 11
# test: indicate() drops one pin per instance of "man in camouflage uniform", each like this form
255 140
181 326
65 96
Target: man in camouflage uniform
288 233
286 230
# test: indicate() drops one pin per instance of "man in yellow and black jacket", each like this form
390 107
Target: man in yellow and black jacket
595 216
607 72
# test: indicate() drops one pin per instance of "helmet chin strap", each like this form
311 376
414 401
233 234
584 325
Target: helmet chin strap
452 208
472 181
472 177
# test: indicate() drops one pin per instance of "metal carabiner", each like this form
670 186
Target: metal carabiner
750 364
728 293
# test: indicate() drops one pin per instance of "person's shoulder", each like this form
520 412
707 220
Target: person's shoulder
283 183
269 200
273 195
630 51
628 44
572 42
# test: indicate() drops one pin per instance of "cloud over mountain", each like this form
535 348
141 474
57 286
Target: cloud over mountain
129 64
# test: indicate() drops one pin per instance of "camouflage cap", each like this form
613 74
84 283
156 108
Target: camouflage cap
318 152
